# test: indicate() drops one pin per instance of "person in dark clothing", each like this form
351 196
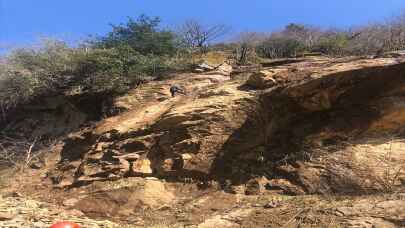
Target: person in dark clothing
176 89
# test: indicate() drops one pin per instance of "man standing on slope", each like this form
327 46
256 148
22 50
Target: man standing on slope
176 89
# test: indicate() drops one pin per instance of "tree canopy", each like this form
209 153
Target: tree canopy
142 35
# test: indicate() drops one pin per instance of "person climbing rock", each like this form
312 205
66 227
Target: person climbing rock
176 89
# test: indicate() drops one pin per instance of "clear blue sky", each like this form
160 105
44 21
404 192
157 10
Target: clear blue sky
24 21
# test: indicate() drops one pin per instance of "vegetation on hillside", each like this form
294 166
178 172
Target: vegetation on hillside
297 39
130 53
140 49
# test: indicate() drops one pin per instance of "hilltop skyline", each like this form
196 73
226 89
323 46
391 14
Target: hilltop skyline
24 22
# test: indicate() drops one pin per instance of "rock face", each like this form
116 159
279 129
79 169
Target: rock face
318 119
316 126
182 142
225 133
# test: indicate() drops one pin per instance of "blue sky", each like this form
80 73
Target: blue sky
24 21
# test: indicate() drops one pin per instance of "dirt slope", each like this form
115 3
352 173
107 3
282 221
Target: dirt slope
233 153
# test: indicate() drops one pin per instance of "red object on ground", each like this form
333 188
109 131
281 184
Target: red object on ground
65 225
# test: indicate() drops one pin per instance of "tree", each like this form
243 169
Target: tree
370 39
307 35
246 46
195 35
333 42
143 35
280 46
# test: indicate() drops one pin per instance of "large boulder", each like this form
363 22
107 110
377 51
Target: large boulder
130 196
261 80
203 67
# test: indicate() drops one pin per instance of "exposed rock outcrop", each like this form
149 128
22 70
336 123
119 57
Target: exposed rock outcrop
302 127
223 132
327 120
182 142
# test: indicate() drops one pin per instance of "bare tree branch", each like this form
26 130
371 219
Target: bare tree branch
195 35
17 151
29 151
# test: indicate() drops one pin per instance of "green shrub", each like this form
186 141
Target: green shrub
335 45
28 73
110 64
16 86
115 69
56 68
280 47
142 35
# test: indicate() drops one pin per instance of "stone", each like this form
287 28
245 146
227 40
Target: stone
164 208
125 166
225 68
129 157
256 186
237 189
205 66
168 165
16 194
217 221
70 202
261 80
152 178
4 216
199 70
271 204
99 147
286 186
187 146
38 224
187 157
142 166
95 156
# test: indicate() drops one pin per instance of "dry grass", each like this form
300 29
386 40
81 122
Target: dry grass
382 163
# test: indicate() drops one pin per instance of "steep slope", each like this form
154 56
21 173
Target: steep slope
230 151
349 127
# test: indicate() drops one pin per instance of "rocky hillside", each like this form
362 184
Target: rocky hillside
242 148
